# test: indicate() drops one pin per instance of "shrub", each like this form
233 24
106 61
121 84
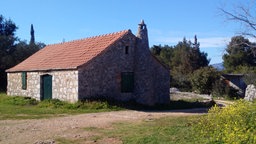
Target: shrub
233 124
250 78
221 89
203 79
249 73
93 105
181 82
22 101
52 103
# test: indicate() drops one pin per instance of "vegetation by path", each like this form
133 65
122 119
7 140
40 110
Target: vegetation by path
78 128
221 125
26 108
171 130
233 124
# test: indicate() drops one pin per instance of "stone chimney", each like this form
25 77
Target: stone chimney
144 81
142 34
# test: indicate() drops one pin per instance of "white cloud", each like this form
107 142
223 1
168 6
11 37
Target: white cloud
251 39
213 42
207 42
206 39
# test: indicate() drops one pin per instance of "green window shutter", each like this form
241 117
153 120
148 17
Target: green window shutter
24 80
127 82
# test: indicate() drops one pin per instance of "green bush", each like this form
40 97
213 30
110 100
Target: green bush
180 81
249 73
52 103
203 79
221 89
95 105
22 101
233 124
250 78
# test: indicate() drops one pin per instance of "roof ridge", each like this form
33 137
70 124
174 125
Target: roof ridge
91 37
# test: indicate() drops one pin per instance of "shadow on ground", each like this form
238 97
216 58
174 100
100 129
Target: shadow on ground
178 105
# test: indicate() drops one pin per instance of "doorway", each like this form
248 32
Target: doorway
46 87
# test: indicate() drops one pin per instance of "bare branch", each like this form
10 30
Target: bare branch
240 17
244 16
248 34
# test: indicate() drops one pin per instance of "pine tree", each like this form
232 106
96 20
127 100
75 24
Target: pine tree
32 33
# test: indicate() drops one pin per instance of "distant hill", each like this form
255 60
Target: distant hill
218 66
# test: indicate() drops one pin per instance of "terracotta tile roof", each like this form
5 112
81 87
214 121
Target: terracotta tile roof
68 55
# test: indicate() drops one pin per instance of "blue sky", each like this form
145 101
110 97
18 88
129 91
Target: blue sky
168 21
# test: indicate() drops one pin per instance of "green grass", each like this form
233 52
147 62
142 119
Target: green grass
17 107
26 108
166 130
171 130
233 124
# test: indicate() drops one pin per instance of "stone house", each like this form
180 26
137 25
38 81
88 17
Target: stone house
115 66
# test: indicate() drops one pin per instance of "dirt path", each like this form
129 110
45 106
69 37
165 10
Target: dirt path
41 130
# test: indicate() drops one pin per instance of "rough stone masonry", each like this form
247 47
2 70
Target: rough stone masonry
250 93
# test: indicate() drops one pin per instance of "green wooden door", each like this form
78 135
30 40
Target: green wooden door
47 87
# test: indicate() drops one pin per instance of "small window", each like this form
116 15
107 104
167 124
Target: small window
24 80
127 50
127 82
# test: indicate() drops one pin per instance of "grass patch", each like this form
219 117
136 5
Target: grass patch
16 107
171 130
67 141
90 128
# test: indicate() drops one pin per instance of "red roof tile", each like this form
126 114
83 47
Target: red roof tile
68 55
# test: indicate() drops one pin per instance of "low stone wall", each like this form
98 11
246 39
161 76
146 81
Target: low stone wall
64 85
250 93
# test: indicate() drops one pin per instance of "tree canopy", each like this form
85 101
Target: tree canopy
182 59
12 49
7 39
239 53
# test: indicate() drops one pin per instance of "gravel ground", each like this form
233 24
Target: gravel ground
42 131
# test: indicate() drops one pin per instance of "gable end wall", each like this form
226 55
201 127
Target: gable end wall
101 77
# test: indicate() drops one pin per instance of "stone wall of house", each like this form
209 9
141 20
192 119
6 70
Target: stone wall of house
250 93
14 85
161 83
152 80
64 85
101 77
